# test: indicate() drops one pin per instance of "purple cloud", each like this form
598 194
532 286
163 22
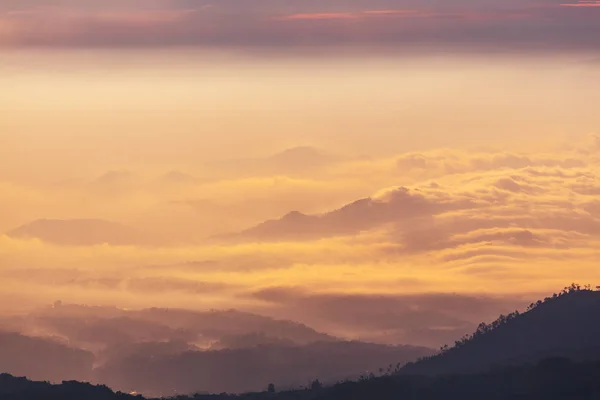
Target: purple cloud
397 23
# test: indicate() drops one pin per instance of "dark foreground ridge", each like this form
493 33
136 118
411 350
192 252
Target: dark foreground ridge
13 388
550 379
549 352
565 324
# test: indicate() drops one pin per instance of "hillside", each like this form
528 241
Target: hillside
13 388
251 368
43 359
552 351
158 350
107 326
551 379
564 324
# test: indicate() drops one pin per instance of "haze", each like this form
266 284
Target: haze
439 176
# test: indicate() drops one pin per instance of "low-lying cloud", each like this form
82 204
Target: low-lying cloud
496 228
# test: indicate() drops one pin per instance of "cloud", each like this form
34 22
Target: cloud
582 3
79 232
426 319
168 284
321 16
494 226
275 23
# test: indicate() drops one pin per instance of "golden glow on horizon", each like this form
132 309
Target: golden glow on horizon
517 218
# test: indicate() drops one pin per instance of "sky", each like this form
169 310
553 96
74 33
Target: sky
280 24
309 160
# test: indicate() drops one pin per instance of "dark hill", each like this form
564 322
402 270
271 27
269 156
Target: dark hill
12 388
566 324
551 379
43 359
247 369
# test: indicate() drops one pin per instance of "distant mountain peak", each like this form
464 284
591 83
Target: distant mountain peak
299 150
294 215
398 204
115 176
77 232
301 155
175 176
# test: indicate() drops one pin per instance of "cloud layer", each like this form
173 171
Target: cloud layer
497 227
405 23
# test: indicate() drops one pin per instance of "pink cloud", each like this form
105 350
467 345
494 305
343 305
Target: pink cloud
274 24
583 3
405 13
346 15
317 16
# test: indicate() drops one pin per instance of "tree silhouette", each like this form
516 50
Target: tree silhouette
316 385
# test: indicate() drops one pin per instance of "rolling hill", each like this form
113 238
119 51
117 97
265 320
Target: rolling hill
14 388
251 368
43 359
551 351
565 325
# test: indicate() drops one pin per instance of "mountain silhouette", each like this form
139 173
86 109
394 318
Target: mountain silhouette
78 232
178 178
300 157
564 325
401 204
43 359
15 388
98 327
549 352
247 369
293 161
550 379
115 179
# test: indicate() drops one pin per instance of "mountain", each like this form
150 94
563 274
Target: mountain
218 324
250 369
43 359
551 379
101 327
401 204
78 232
565 325
154 351
114 180
178 178
13 388
299 160
549 352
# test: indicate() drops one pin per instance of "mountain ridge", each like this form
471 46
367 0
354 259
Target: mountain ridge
78 232
563 324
